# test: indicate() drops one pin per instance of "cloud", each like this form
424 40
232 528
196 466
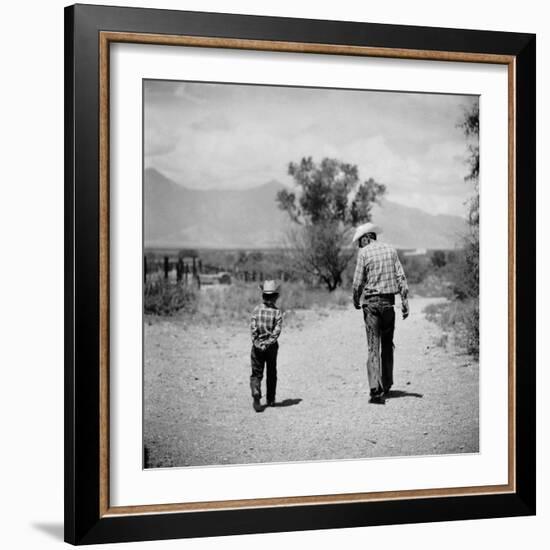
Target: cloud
185 92
235 136
211 123
159 141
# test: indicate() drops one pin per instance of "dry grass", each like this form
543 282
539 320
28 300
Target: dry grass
460 319
432 286
164 298
222 304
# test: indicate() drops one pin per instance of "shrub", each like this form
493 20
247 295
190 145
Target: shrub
234 303
165 298
438 258
433 285
472 328
464 272
416 268
461 318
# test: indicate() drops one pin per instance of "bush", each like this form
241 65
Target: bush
472 328
234 303
223 303
433 285
464 275
165 298
461 318
438 258
416 268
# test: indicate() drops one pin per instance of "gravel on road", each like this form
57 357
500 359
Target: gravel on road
198 409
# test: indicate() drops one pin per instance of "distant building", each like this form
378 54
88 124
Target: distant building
416 252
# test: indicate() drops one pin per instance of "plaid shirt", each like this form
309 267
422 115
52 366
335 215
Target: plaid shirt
378 271
265 325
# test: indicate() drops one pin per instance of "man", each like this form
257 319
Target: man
379 276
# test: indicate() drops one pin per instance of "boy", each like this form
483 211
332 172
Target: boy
265 327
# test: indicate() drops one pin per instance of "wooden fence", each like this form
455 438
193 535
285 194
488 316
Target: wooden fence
189 271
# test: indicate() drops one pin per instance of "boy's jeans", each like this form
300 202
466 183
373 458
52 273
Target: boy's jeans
258 358
379 318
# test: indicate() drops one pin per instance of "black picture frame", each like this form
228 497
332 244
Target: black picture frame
84 521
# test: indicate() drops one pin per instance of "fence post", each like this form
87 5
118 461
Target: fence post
179 270
166 267
144 269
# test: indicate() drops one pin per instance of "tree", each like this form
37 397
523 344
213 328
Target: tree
467 283
470 269
319 251
330 199
438 258
470 126
324 193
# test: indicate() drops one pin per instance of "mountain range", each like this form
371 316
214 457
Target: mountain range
177 216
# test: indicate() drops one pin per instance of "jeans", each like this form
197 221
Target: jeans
258 359
379 318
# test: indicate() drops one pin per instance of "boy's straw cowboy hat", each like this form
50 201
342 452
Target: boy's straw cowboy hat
270 287
364 229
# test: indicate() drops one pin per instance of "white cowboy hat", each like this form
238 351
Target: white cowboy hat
364 229
270 287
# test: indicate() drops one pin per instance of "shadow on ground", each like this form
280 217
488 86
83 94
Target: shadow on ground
399 393
287 403
54 530
284 403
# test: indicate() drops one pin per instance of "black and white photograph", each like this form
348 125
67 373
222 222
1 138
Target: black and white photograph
310 274
274 275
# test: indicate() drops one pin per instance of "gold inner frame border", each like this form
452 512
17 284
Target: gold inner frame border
105 40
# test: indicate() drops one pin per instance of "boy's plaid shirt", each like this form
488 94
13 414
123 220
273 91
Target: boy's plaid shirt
265 325
378 271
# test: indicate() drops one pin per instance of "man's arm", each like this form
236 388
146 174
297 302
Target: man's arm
272 338
402 286
358 281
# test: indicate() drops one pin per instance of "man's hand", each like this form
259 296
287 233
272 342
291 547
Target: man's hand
405 308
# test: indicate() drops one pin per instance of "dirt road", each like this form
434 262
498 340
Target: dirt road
198 408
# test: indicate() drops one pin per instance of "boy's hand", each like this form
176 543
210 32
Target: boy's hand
405 308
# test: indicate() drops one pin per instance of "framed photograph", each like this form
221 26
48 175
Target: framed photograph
299 274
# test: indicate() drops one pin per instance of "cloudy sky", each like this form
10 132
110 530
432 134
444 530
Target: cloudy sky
229 136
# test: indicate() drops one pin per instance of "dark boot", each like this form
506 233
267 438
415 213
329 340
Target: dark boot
376 397
256 403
